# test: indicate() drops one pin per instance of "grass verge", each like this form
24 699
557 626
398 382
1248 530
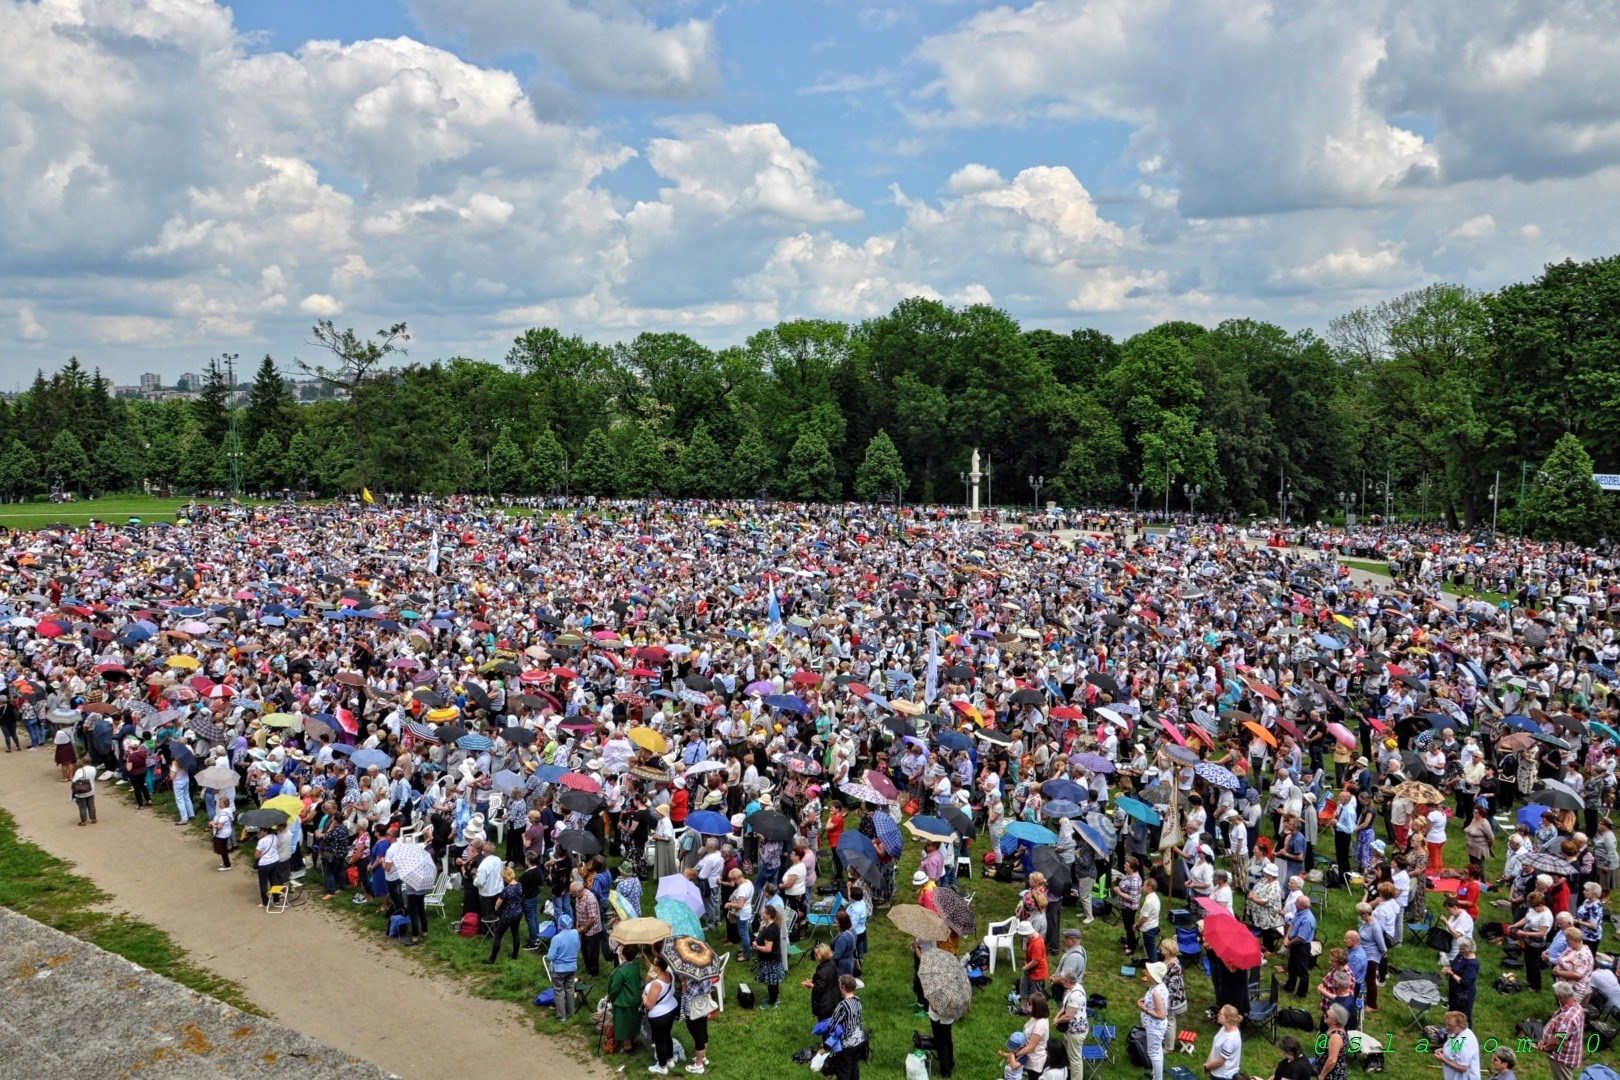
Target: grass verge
35 883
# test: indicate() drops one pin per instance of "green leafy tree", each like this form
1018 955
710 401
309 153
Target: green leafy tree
597 470
753 466
299 465
548 463
354 362
19 470
119 462
270 406
1565 503
702 468
210 409
881 475
66 462
202 466
641 469
265 464
1089 474
810 473
508 472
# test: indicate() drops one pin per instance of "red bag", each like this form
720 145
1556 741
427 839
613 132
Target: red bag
911 807
354 877
469 925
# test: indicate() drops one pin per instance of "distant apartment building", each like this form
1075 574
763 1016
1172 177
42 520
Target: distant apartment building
151 381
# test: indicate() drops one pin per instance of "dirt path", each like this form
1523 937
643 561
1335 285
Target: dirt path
381 1007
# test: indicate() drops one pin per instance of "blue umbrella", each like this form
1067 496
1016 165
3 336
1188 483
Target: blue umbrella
1031 833
365 759
709 823
954 740
1138 809
1330 643
786 702
474 742
1099 843
342 748
854 843
937 827
506 781
1523 723
1062 808
888 834
550 774
1065 790
681 918
1601 671
1531 815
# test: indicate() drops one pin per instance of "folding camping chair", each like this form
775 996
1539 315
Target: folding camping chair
1263 1014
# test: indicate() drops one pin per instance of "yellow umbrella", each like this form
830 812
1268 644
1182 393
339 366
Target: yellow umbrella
648 739
909 708
1345 620
291 805
279 720
187 663
439 716
641 931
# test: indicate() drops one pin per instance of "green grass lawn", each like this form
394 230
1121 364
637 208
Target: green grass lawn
113 509
1382 569
37 884
752 1043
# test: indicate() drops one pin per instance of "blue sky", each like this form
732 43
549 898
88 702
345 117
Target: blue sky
180 177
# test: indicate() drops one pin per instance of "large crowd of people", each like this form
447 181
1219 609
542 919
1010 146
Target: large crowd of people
644 740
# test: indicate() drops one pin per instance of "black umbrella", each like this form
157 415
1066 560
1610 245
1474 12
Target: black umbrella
1104 682
900 725
958 673
1027 697
961 822
579 842
698 682
1057 872
182 754
263 819
431 698
1569 724
865 867
773 825
1558 800
580 802
518 736
449 733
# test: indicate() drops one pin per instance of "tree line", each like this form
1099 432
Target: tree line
1415 405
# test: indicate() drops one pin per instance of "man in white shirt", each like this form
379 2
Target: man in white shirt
267 858
741 906
487 880
709 868
1071 1023
1223 890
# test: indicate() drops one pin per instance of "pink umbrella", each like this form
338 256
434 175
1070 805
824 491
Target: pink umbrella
222 691
405 663
243 594
676 887
194 627
1170 729
1342 734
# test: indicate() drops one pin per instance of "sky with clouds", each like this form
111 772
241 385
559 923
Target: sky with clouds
180 178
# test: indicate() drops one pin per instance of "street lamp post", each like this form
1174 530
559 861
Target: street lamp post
967 489
1284 494
1496 495
1037 482
1347 499
1136 495
1388 493
1167 493
1192 491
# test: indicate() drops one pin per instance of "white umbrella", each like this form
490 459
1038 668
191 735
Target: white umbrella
413 864
219 778
705 767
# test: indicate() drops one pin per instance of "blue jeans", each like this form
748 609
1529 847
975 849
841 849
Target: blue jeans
182 800
209 803
531 915
1150 943
745 930
771 874
36 731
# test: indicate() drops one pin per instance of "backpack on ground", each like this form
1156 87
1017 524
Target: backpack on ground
469 925
1296 1018
1136 1047
398 925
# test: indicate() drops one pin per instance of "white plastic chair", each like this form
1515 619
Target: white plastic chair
435 895
720 981
1000 936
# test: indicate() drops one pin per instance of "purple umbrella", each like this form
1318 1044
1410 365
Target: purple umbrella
676 887
1093 763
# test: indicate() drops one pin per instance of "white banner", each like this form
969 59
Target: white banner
1608 481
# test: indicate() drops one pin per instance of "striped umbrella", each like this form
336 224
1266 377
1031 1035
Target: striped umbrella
474 742
421 732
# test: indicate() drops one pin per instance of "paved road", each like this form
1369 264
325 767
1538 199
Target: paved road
309 969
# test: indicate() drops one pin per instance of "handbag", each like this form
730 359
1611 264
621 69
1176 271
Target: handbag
700 1007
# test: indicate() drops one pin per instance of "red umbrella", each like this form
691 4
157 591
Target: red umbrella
1288 726
883 784
1233 942
50 630
1200 734
1342 734
579 782
1211 906
657 654
1265 690
1068 712
807 678
565 673
859 689
1170 729
533 677
642 673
